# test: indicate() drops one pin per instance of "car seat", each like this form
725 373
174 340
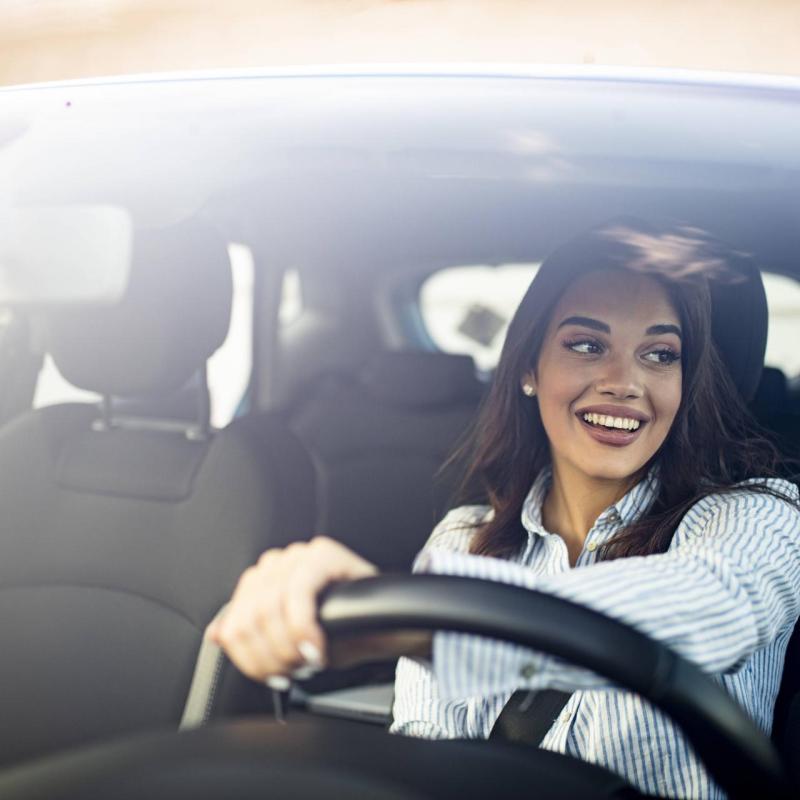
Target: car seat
122 535
378 439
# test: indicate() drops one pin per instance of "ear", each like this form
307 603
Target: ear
528 384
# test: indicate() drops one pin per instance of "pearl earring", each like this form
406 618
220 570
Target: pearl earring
528 390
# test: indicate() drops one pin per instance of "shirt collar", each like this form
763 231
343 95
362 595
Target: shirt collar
639 499
625 511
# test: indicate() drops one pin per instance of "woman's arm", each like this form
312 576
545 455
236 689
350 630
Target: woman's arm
729 584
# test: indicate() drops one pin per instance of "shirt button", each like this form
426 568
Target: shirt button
528 671
591 547
565 716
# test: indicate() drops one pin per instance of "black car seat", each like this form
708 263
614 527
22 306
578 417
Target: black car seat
122 535
379 439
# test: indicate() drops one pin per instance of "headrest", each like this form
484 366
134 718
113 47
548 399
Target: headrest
421 379
173 316
738 300
772 395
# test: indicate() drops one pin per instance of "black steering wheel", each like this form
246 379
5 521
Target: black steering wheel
244 759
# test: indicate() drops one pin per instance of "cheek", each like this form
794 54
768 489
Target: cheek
559 381
667 399
557 394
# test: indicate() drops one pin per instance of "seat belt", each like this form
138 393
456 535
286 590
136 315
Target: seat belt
207 671
527 716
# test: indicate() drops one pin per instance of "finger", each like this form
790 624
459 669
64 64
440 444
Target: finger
276 579
300 614
277 638
239 632
324 561
246 652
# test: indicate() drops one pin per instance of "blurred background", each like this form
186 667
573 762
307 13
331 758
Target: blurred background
43 40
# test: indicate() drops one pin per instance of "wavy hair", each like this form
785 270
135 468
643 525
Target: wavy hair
714 442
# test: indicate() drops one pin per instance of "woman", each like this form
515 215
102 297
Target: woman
623 472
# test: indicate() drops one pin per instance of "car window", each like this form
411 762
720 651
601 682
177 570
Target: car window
783 299
228 369
467 309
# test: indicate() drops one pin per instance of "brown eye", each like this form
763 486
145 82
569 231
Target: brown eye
587 346
664 356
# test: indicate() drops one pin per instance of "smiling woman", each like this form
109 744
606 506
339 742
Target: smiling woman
608 385
616 427
632 320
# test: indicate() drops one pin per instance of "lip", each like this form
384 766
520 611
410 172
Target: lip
615 437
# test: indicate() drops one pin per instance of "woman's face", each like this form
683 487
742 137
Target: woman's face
608 379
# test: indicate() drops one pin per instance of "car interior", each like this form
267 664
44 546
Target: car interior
128 517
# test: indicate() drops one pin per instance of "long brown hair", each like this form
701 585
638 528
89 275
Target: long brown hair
714 442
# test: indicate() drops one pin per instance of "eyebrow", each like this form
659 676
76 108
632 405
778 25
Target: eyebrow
655 330
596 325
586 322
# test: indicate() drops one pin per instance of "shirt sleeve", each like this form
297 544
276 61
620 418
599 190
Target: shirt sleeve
729 584
419 709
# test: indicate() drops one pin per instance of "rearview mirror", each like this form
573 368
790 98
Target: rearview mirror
64 255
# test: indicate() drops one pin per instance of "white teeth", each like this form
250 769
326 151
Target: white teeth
623 423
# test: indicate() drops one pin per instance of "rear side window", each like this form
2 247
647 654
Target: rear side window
783 299
467 310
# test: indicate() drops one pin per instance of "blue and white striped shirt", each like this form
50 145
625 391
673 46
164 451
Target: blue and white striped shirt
726 595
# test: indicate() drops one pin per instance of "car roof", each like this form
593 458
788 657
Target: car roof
385 168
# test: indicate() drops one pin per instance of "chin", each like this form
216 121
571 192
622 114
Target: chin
612 472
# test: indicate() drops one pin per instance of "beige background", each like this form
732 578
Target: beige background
57 39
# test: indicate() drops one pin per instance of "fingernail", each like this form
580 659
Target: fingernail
304 673
278 683
311 654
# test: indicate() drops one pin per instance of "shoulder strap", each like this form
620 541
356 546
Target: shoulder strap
527 716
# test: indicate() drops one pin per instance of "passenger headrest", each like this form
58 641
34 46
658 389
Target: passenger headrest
421 380
173 316
772 394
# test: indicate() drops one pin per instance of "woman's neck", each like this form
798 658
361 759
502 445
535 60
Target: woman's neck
575 501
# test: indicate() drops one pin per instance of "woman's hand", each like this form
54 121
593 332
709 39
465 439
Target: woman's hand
270 625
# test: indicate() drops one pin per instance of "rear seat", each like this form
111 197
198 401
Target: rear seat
378 440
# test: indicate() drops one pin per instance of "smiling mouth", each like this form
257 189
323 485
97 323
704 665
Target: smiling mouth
614 431
613 423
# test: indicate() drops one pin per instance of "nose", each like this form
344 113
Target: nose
620 379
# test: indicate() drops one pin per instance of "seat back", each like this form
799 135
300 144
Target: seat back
122 537
379 439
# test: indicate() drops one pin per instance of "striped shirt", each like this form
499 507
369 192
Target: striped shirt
726 595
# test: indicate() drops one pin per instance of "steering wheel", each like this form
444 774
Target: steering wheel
244 758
